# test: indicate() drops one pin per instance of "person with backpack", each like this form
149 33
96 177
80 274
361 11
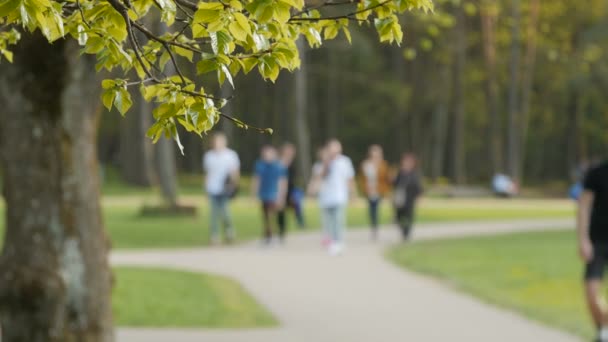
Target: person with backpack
407 187
222 171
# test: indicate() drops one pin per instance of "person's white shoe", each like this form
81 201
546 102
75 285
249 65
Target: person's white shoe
336 248
603 335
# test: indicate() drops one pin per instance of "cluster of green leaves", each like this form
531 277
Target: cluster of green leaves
8 38
150 39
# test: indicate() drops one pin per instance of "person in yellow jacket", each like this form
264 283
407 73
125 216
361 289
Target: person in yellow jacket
375 183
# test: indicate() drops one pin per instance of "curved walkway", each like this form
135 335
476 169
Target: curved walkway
355 297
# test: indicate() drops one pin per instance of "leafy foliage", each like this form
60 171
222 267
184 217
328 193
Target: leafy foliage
152 38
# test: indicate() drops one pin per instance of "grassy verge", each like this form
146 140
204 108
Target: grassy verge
130 230
536 274
146 297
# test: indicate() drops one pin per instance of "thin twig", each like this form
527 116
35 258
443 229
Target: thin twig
189 5
152 36
242 124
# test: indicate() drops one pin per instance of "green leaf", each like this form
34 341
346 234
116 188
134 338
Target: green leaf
243 22
188 54
8 55
122 101
248 64
265 13
206 16
227 74
108 98
237 31
282 12
206 65
94 45
331 31
6 7
346 32
108 84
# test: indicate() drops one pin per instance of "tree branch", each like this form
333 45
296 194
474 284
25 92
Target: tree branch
350 16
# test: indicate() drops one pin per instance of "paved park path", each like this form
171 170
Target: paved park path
355 297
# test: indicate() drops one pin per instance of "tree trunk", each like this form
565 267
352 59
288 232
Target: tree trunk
488 25
301 115
528 77
167 171
136 149
226 92
458 149
514 145
440 125
332 92
56 278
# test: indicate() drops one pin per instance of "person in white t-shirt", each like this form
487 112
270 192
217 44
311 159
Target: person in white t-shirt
222 171
336 185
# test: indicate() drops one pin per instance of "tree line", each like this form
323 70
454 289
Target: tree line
476 88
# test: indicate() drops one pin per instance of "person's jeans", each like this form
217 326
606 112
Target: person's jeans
334 221
374 205
219 211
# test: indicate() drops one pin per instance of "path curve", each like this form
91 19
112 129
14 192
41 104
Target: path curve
355 297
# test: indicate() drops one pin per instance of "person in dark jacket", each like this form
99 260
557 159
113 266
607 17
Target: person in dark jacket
293 195
407 188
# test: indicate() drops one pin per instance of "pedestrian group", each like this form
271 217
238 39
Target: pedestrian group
333 182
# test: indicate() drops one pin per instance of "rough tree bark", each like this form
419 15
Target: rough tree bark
488 29
301 115
514 119
56 281
458 151
136 149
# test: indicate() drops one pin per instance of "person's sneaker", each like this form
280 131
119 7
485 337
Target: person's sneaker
214 241
603 335
326 241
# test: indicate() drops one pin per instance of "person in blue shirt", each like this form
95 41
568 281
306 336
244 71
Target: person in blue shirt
270 186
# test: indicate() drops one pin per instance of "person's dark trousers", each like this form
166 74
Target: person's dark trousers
282 217
405 219
374 205
268 208
282 222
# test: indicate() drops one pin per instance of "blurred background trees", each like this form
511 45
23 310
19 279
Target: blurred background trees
484 86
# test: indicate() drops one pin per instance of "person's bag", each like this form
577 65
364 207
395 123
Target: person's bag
400 193
231 188
399 197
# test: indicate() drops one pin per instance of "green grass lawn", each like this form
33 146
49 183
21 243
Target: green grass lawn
128 229
152 297
536 274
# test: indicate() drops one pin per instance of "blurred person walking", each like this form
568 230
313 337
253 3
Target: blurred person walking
406 189
293 196
222 171
375 183
592 229
270 185
336 185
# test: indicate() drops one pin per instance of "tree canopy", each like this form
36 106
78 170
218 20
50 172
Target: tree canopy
148 42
